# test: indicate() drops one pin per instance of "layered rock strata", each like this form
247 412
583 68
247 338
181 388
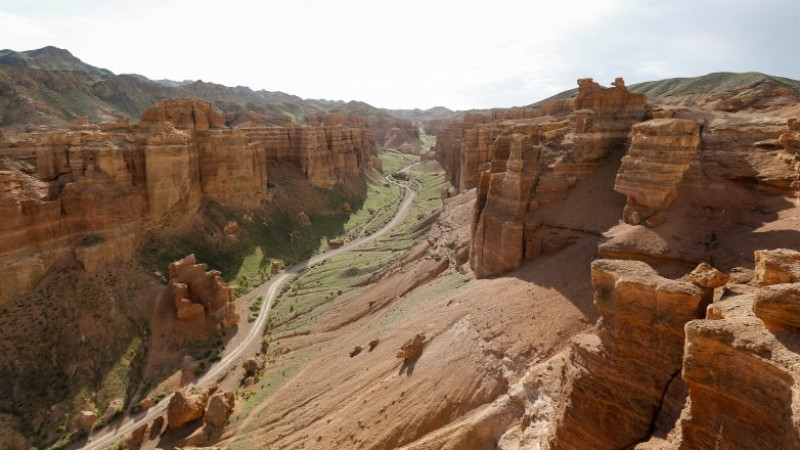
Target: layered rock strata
618 376
741 365
524 161
386 131
660 153
92 193
522 165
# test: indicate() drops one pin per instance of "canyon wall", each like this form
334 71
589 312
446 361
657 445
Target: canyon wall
526 158
92 192
707 359
618 375
525 162
384 130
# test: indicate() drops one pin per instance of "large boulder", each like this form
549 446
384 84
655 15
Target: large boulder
184 408
704 275
777 266
86 420
219 408
778 305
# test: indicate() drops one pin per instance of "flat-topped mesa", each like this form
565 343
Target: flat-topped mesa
617 378
199 293
542 158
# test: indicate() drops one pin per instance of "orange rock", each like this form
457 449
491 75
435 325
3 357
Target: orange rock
219 408
659 156
412 349
137 436
94 194
523 164
777 266
778 306
198 292
184 408
708 277
629 361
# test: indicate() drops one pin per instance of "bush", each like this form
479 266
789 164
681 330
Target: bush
91 239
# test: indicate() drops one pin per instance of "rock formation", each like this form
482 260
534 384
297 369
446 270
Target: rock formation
520 165
137 436
386 131
524 161
184 408
93 193
660 153
618 376
741 372
412 349
198 293
219 408
86 420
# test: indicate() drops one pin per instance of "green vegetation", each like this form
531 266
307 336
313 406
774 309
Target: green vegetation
713 82
428 141
393 160
275 235
91 239
312 291
318 287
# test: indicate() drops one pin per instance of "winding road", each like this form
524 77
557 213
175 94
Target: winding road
269 291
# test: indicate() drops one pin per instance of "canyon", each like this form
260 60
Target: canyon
94 192
614 267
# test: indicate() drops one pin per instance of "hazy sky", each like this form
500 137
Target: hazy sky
414 53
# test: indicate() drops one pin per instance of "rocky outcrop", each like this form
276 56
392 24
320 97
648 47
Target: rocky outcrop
387 132
219 408
184 408
618 376
198 292
412 349
193 115
325 154
86 420
741 365
660 153
137 437
777 266
92 193
522 165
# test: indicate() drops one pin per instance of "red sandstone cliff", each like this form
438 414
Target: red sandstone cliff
386 131
527 158
92 192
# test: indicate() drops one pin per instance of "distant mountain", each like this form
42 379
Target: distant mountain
727 91
51 86
163 82
51 58
437 112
